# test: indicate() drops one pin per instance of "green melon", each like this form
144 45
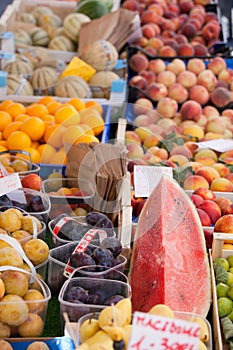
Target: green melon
93 8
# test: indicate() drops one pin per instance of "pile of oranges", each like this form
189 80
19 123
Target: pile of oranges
47 128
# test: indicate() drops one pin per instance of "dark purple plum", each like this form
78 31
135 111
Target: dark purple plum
113 299
113 244
79 259
103 257
77 293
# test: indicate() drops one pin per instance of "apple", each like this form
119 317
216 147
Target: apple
32 181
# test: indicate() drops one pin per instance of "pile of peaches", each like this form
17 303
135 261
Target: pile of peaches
175 28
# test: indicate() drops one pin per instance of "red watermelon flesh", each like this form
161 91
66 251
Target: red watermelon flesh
169 263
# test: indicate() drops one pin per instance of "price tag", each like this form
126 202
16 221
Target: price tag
9 183
219 145
150 332
147 177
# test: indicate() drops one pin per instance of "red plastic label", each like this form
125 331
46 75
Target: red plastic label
60 224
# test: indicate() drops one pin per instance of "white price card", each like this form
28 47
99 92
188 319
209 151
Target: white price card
146 177
9 183
219 145
151 332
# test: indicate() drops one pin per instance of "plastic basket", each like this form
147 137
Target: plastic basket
13 155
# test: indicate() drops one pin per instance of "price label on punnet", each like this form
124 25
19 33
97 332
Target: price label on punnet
151 332
8 182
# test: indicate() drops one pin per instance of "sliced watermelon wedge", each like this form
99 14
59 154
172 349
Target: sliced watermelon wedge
169 261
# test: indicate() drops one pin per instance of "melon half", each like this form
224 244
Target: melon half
169 263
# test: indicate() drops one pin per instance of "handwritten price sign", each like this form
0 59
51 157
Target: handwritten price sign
146 177
9 183
152 332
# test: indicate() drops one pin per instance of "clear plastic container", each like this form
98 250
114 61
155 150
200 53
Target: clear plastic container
31 317
58 258
8 158
107 273
104 287
58 241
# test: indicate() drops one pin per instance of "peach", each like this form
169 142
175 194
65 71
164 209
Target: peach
154 115
185 50
149 16
143 120
155 42
223 203
171 42
132 137
167 51
156 65
227 154
221 185
167 107
186 5
196 65
141 42
192 182
138 81
189 29
205 153
221 83
194 165
150 50
209 16
178 159
191 110
162 153
156 8
221 97
224 224
181 149
178 93
187 79
216 64
151 140
206 160
166 124
200 49
202 121
194 132
215 125
228 113
222 169
196 199
142 105
148 31
154 128
211 30
138 62
205 193
192 146
150 158
212 209
207 79
148 75
166 78
142 132
176 66
208 172
204 217
196 23
230 177
199 94
229 209
226 74
156 91
134 151
131 5
210 111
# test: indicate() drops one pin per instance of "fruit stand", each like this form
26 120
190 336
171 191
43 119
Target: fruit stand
116 185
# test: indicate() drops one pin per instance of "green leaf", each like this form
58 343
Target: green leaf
170 140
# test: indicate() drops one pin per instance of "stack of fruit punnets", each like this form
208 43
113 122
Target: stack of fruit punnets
45 127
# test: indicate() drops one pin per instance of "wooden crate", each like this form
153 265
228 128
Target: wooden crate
216 252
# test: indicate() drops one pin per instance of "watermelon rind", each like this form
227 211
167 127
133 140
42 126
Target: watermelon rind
93 8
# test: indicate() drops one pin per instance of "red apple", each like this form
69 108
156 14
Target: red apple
32 181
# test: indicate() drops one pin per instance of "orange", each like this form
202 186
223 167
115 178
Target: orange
1 135
47 153
95 105
14 109
87 139
3 143
18 140
5 119
48 118
72 134
13 126
35 154
21 117
77 103
96 123
4 104
36 110
2 148
65 112
52 107
59 158
53 135
45 100
34 127
35 144
87 129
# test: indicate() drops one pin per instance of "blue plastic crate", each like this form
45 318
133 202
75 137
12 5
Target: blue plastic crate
58 343
47 169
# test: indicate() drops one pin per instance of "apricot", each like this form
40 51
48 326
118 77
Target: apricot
5 331
10 256
32 326
35 301
5 345
36 250
28 222
2 288
10 220
13 310
38 345
16 282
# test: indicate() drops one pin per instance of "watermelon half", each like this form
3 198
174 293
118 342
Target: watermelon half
169 263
